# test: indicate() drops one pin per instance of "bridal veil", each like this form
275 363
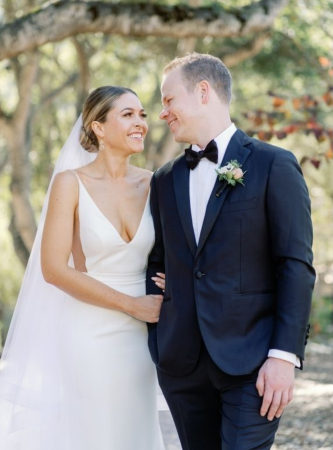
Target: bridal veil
33 404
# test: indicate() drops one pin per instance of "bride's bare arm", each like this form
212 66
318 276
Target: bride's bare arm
56 248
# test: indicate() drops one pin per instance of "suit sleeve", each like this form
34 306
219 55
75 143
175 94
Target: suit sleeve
156 257
289 220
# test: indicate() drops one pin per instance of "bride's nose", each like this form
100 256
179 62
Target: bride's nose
139 123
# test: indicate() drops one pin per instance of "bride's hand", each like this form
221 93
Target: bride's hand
160 280
147 308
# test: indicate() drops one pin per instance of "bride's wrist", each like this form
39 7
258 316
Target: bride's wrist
128 304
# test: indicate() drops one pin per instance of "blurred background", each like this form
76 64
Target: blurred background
52 55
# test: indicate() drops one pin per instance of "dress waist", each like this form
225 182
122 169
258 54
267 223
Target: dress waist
114 278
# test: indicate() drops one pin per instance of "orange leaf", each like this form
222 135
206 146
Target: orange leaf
271 120
316 328
296 103
329 153
313 125
258 120
309 101
278 101
328 98
265 135
324 62
290 129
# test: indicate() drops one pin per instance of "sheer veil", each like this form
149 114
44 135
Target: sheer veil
33 407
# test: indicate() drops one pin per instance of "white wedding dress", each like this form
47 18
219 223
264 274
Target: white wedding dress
115 377
74 376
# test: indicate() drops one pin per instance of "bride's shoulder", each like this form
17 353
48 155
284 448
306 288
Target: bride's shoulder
65 183
143 174
66 177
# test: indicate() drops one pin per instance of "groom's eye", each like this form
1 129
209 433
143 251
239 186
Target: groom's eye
166 101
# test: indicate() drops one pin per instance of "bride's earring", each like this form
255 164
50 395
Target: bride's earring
101 145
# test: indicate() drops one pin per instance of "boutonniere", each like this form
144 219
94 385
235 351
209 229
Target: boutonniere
231 173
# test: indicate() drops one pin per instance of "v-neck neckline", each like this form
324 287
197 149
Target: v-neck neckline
108 221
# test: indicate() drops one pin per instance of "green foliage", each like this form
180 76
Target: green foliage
289 65
321 318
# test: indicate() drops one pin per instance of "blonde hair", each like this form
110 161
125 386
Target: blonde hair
96 108
196 67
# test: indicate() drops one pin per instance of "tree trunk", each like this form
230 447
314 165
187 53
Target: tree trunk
15 131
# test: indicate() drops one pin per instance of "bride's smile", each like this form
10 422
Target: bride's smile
125 128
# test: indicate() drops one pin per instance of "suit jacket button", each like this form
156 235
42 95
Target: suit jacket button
199 274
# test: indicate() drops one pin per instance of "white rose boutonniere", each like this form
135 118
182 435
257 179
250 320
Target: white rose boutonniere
231 173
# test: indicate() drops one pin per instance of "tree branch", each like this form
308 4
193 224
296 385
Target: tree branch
50 96
59 20
83 57
26 78
295 48
249 50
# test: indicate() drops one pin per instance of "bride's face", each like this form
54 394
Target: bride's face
125 127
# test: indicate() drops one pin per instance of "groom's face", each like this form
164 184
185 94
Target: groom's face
181 107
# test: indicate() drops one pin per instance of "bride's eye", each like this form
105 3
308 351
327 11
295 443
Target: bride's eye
144 115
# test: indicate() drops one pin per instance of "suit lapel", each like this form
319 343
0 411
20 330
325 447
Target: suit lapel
236 150
181 175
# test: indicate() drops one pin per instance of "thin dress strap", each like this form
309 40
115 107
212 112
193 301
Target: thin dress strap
77 176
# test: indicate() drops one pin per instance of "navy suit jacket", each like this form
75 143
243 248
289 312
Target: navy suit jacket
247 286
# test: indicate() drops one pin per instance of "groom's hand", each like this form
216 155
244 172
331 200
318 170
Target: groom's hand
275 384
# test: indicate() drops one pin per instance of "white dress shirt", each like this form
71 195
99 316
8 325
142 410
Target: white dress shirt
202 181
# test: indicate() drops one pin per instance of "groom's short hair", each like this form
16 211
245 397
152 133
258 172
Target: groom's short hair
196 67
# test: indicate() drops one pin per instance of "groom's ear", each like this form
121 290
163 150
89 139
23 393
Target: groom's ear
204 89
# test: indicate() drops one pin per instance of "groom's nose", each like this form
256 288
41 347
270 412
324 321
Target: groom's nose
163 114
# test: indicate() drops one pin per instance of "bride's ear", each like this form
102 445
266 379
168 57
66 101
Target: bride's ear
97 129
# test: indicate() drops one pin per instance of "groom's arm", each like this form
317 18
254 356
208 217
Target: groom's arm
156 257
289 221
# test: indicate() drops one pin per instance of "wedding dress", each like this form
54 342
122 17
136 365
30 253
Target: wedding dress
115 376
74 376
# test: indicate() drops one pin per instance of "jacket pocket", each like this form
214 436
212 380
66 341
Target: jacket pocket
246 312
240 205
257 293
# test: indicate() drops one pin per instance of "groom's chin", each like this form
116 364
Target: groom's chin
179 139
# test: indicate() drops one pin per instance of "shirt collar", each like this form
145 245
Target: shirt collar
222 141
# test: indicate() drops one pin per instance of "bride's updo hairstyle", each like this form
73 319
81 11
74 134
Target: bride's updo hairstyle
96 108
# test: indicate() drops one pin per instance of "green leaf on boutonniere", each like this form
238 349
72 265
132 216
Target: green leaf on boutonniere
231 174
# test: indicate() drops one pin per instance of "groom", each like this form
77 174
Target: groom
238 265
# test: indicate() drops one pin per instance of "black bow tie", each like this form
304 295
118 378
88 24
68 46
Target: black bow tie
193 158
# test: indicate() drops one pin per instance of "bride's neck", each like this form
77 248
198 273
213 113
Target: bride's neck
112 166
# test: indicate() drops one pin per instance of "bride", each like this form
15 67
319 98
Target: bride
76 372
